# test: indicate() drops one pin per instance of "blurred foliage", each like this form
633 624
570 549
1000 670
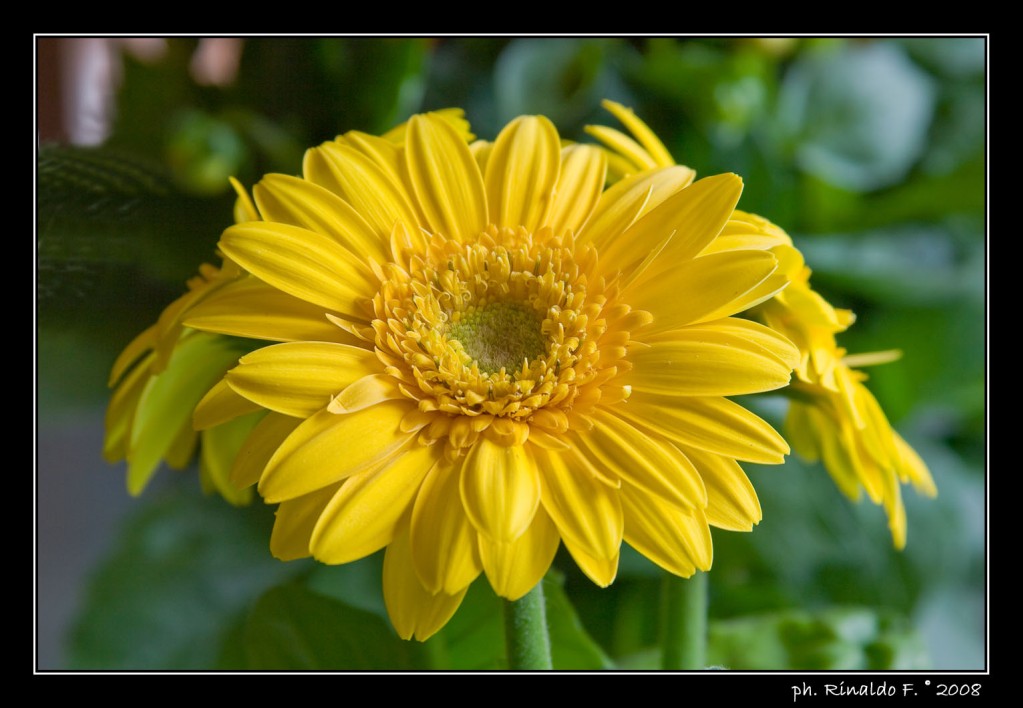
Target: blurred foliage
870 152
293 628
846 639
184 570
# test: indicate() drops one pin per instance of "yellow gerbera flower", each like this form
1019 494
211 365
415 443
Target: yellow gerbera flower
507 357
834 417
157 380
847 430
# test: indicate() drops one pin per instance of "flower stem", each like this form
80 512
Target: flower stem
685 622
525 631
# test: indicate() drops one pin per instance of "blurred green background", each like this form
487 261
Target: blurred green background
869 152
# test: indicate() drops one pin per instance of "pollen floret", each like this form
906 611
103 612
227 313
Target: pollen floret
497 337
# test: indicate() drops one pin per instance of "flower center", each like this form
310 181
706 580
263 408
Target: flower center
503 335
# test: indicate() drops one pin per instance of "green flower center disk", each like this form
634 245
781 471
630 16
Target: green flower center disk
500 335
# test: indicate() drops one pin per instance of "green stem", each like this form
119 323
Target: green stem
685 622
525 631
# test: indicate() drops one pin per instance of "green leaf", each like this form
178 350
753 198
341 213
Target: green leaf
185 568
571 646
474 638
357 584
847 639
293 628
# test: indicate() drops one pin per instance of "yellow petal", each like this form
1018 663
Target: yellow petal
302 263
629 199
754 229
678 541
414 611
446 179
444 548
586 511
522 173
386 154
360 519
142 344
481 150
771 341
913 469
713 424
168 327
299 202
121 412
220 446
454 116
260 446
647 138
646 461
248 307
389 156
219 405
294 523
181 450
602 571
326 448
872 358
244 209
514 568
718 360
500 489
800 430
838 451
622 144
367 391
764 291
896 517
618 167
165 406
729 240
300 378
697 290
882 442
731 500
356 178
694 215
583 169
